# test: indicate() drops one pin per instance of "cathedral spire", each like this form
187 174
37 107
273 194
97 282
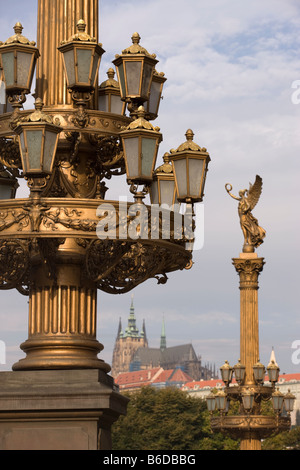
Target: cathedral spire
120 332
143 332
163 339
131 329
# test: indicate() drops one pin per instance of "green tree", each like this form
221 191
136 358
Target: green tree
166 419
288 440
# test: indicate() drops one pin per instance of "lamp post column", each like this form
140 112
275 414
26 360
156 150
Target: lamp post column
57 21
249 266
62 321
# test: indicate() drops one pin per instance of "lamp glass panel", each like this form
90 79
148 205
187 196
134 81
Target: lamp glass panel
23 68
122 80
154 193
116 104
133 74
167 189
154 97
259 373
239 373
289 404
34 145
5 191
84 57
181 177
273 373
8 64
277 402
2 96
148 152
132 152
195 175
49 148
95 68
221 402
147 77
211 403
103 103
70 66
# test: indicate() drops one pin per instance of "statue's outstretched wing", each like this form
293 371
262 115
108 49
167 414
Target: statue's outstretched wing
254 192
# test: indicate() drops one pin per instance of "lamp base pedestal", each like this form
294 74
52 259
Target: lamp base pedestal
58 410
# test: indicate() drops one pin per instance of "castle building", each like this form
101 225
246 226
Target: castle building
127 343
132 353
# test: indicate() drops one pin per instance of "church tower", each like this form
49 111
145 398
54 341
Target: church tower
127 343
163 339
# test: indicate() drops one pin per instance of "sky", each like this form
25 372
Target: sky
232 69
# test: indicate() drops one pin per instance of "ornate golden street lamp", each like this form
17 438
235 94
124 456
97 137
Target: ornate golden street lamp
110 96
38 138
140 143
18 58
190 163
250 425
155 97
135 69
50 245
163 189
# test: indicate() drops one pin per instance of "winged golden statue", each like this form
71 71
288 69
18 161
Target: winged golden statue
248 198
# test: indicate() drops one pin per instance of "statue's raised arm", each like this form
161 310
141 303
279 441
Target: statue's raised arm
253 233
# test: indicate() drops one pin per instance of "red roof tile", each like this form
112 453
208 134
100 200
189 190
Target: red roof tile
150 376
214 383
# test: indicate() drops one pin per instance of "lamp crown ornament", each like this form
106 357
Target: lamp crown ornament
38 115
110 82
81 34
166 167
141 123
136 48
189 144
18 38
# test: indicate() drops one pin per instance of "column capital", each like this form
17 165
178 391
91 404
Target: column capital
248 268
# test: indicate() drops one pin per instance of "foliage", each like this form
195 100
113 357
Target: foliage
166 419
288 440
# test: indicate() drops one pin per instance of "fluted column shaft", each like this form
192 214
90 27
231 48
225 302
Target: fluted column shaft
62 322
248 267
57 21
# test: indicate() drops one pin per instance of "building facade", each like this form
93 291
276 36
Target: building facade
132 353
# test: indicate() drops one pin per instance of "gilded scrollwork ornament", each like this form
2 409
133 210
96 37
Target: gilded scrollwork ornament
14 263
10 157
140 263
109 158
